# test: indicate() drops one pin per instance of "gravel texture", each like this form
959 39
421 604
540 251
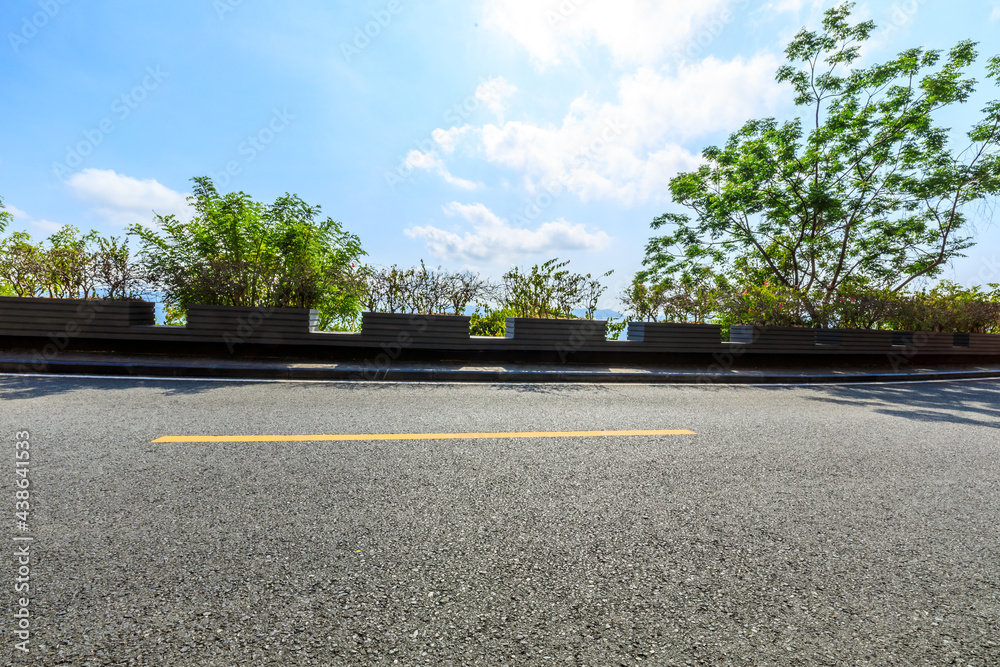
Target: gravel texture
801 526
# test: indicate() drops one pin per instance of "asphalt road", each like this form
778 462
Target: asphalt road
800 525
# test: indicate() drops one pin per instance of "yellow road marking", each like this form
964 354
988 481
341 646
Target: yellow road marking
410 436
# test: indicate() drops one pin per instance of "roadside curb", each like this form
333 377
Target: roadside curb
208 371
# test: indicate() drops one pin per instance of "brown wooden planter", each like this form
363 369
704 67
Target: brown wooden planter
413 329
927 342
984 344
235 325
71 317
557 332
857 341
675 335
774 339
908 345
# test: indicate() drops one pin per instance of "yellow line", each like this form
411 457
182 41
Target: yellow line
409 436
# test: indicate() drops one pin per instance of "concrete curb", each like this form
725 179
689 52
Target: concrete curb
555 374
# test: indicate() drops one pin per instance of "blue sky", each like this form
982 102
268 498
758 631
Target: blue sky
470 134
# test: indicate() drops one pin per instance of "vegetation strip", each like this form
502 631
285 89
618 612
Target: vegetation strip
410 436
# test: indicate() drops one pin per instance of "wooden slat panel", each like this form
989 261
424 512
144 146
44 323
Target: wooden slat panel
232 318
984 343
415 328
552 331
675 335
798 339
47 313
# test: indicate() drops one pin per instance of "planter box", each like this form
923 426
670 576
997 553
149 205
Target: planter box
774 339
984 344
412 329
675 335
572 334
854 340
925 342
71 317
250 324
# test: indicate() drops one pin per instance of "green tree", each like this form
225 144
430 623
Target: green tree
5 217
864 194
239 252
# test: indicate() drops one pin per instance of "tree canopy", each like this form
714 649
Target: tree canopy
862 192
239 252
5 217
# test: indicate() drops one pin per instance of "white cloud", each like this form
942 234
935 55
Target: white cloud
47 226
448 139
633 31
995 16
494 94
495 240
16 212
793 6
124 200
42 225
431 161
629 149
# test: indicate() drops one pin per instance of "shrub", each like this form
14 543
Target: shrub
489 322
239 252
948 307
767 304
684 301
69 265
550 290
422 290
945 307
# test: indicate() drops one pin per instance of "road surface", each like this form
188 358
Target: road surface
789 526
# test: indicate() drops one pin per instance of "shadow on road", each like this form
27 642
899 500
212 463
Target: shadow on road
14 387
974 403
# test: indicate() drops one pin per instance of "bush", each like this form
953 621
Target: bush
239 252
490 322
69 265
945 307
948 307
422 290
767 304
684 301
549 290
